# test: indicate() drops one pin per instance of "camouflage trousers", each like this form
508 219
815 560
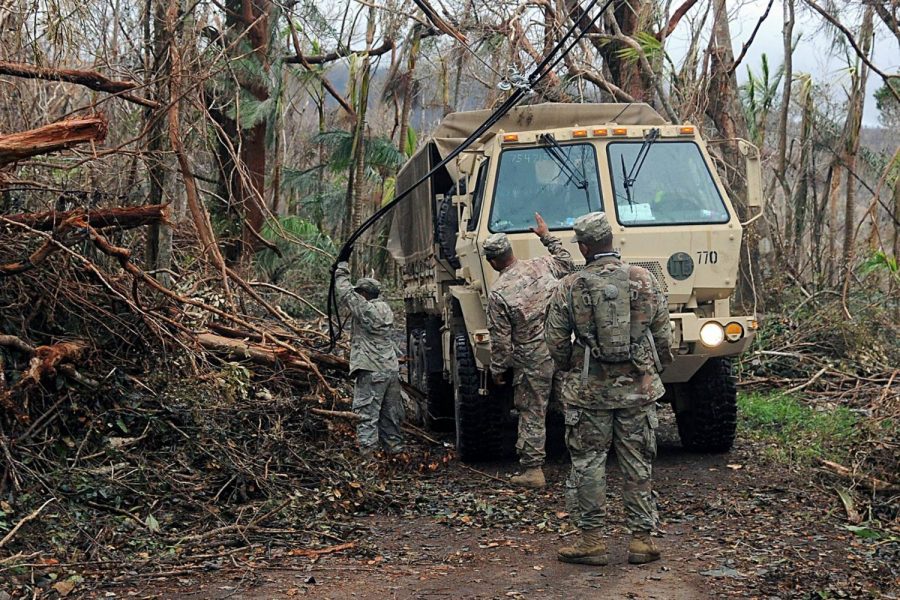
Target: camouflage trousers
376 399
589 435
531 397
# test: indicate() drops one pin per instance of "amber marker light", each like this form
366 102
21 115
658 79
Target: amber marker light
620 131
734 332
686 131
510 137
601 132
579 133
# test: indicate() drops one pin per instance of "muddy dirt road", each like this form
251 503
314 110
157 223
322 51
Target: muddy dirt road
732 526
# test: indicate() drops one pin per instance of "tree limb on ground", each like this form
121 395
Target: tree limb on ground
267 355
867 481
30 517
89 79
51 138
66 233
127 217
43 364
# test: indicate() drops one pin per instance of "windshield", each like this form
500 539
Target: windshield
674 187
561 186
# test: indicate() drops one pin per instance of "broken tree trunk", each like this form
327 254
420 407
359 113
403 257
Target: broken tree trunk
89 79
70 226
51 138
44 364
127 217
268 355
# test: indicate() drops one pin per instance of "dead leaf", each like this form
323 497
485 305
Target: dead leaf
64 588
735 467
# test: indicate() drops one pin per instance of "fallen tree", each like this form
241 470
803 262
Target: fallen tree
51 138
120 217
89 79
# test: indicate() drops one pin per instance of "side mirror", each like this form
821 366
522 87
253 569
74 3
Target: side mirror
754 174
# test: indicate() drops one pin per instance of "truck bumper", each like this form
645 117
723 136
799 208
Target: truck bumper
690 352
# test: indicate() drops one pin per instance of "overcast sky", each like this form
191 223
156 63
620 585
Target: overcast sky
816 52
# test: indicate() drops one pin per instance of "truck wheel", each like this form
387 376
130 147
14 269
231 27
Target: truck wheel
479 421
707 420
435 409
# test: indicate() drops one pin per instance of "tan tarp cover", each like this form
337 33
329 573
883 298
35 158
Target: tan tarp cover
412 224
412 220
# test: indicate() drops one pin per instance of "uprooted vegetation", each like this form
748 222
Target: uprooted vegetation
143 423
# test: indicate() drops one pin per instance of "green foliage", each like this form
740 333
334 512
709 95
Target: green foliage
302 181
380 152
306 252
651 47
409 147
880 262
888 107
758 97
799 431
249 112
389 190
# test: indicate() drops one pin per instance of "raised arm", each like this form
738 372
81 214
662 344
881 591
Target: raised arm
558 328
358 305
560 260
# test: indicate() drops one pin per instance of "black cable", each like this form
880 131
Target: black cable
335 324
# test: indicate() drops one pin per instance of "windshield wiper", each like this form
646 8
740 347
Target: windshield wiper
631 177
575 174
557 153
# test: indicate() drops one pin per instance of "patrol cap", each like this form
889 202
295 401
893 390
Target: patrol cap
368 285
497 244
591 228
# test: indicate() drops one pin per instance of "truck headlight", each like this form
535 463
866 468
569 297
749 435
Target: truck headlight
712 334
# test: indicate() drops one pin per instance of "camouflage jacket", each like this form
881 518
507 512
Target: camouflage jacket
611 385
516 307
372 347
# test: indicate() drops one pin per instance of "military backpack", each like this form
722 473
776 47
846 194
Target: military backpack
605 294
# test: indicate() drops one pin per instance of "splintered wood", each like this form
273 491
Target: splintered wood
51 138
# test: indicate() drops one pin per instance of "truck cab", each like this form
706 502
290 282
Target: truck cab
670 214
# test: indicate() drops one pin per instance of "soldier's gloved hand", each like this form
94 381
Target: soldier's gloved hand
341 267
345 253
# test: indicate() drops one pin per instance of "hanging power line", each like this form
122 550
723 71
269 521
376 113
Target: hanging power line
547 64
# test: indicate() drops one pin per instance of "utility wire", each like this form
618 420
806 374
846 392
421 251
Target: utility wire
335 324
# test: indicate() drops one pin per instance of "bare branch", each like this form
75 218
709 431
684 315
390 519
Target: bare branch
746 46
862 55
89 79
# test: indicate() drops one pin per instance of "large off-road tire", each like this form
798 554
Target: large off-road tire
437 408
707 417
480 420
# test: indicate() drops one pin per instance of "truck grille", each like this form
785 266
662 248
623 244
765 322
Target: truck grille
655 268
652 266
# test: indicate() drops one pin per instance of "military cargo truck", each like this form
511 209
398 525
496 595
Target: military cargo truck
670 214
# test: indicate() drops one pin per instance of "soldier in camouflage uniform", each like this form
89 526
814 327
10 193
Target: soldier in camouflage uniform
609 403
373 362
516 307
